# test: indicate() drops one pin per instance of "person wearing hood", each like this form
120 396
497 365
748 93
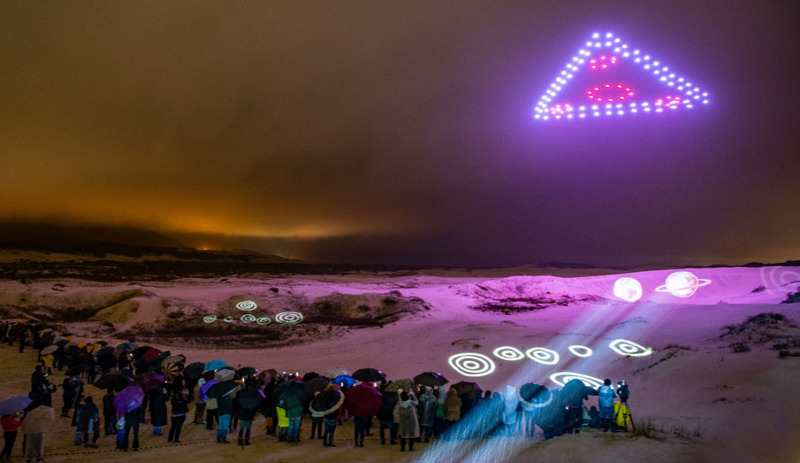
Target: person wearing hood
407 420
386 418
88 419
510 409
109 413
180 407
452 408
606 401
158 410
427 412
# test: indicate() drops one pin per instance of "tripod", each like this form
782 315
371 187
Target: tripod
622 404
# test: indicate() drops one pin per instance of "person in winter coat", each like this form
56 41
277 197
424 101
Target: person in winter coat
180 407
109 413
407 420
510 409
224 410
386 418
10 425
34 436
158 410
69 391
606 401
132 419
199 402
246 416
88 421
452 406
317 420
427 412
331 419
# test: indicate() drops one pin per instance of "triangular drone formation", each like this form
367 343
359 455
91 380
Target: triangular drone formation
609 78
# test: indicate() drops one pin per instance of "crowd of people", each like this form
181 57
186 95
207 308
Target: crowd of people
145 386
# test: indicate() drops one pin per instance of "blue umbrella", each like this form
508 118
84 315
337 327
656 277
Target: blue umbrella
14 404
344 380
215 365
128 399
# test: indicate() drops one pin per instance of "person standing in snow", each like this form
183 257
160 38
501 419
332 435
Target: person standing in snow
407 420
606 401
427 412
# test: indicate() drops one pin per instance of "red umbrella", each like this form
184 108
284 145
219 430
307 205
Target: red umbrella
363 400
151 354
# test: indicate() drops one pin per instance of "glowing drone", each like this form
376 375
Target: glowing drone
601 83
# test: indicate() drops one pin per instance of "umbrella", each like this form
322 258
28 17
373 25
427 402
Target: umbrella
126 346
206 385
139 351
225 373
222 388
289 391
344 380
105 351
311 375
246 371
466 387
215 365
61 342
116 381
400 384
334 372
151 355
49 349
38 420
76 369
171 370
327 401
14 404
173 359
271 372
128 399
431 379
533 395
148 381
164 355
250 397
106 361
363 400
317 384
370 375
79 357
193 370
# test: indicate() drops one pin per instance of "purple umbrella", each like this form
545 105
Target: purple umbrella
14 404
148 381
128 399
204 388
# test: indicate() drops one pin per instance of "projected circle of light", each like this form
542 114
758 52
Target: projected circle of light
629 348
289 318
247 306
609 93
263 320
227 319
542 355
775 277
682 284
471 364
580 351
563 377
628 289
248 317
210 318
508 353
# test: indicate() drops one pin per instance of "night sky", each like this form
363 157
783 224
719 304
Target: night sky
401 133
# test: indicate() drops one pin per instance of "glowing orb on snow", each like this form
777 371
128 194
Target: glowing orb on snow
628 289
591 94
542 355
247 306
682 284
629 348
263 320
210 318
247 318
508 353
470 364
289 318
580 351
563 377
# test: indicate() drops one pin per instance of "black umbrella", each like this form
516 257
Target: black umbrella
250 397
533 395
317 384
105 350
246 371
292 390
327 401
222 388
311 375
61 342
193 370
466 387
370 375
76 369
431 379
80 357
114 381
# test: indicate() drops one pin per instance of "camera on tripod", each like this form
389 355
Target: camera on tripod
623 392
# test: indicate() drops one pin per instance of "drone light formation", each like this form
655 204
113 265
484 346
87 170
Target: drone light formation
603 53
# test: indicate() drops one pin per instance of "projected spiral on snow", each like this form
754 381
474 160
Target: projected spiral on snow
563 377
470 364
508 353
247 318
247 306
227 319
210 318
542 355
289 318
580 351
629 348
263 320
777 278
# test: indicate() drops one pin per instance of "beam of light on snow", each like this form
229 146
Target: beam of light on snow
563 377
